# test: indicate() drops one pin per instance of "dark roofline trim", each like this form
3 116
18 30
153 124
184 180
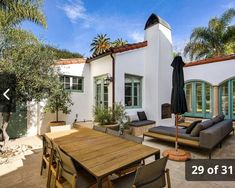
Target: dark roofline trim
120 49
210 60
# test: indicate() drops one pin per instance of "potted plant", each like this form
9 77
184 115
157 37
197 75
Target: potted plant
59 100
112 118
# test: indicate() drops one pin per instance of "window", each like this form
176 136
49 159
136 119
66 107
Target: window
199 99
227 98
133 91
73 83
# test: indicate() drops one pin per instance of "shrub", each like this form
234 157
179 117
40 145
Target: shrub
102 115
106 116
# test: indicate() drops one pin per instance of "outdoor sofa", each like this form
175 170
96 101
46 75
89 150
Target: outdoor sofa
206 135
139 123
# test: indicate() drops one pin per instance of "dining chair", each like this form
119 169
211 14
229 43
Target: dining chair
153 175
112 132
46 152
69 174
98 128
136 139
132 167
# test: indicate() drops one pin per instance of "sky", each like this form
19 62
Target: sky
72 24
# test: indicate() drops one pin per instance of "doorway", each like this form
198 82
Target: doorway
101 92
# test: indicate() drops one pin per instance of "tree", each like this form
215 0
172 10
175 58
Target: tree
100 44
59 100
22 54
59 54
215 40
13 12
119 42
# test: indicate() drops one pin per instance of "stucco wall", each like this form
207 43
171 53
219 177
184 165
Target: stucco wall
214 73
130 62
37 119
100 67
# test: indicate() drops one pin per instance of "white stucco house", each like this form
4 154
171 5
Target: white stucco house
139 76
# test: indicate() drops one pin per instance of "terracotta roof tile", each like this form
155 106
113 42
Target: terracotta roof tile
210 60
120 49
71 61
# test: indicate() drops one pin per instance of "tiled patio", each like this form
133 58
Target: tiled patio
23 170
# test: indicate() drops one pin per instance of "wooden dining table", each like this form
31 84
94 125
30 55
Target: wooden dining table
99 153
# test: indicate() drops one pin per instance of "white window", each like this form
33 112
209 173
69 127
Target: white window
73 83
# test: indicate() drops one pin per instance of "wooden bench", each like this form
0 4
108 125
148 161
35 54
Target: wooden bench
139 127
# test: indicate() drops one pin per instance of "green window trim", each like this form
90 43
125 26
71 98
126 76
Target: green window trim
70 82
199 109
101 91
230 93
134 83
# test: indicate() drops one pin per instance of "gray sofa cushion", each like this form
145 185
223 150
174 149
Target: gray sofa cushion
196 130
206 124
141 123
192 125
170 131
142 116
210 137
201 126
218 118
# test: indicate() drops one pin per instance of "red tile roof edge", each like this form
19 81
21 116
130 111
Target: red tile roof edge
210 60
120 49
70 61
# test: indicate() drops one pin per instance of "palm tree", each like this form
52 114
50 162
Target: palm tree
12 12
119 42
215 40
100 44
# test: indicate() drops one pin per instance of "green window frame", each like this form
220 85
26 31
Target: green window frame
101 92
199 96
227 99
73 83
133 91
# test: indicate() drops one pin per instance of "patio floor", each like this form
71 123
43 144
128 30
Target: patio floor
23 170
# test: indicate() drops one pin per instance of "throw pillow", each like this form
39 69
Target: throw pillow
218 118
133 118
142 116
192 125
206 124
196 130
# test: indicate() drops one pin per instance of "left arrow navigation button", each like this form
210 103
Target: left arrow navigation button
5 94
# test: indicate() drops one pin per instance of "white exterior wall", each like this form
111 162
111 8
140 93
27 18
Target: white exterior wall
130 62
214 73
100 67
158 72
37 119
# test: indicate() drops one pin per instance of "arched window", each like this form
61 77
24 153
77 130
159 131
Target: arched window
227 98
199 99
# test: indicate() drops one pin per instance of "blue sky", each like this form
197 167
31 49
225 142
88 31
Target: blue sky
72 24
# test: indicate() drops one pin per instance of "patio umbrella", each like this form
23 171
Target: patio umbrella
178 105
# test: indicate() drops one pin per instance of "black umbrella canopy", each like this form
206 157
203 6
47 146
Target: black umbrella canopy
178 100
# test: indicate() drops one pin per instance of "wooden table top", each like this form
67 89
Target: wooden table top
184 124
99 153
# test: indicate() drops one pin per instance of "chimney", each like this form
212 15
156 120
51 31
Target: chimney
158 71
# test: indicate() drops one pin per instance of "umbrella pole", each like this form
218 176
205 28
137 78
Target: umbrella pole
176 154
177 132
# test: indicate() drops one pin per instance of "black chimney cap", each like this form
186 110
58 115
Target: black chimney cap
154 19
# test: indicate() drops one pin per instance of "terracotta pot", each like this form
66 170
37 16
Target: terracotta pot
56 123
